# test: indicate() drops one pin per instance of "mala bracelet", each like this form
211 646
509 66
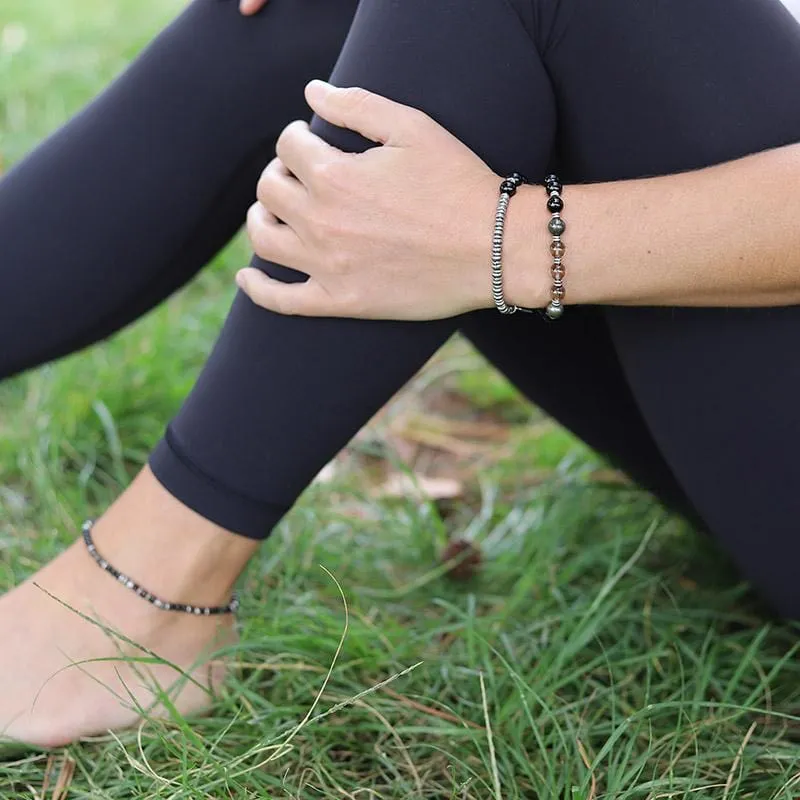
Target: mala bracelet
231 608
556 227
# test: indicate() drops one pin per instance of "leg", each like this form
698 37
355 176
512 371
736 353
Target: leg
717 387
571 370
332 375
280 395
131 198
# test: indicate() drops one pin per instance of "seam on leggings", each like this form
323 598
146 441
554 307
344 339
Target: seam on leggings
180 455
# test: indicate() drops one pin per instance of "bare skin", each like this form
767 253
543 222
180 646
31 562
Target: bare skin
48 700
48 697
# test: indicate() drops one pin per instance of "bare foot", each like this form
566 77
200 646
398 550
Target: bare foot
50 699
49 694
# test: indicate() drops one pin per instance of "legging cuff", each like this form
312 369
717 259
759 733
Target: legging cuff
186 482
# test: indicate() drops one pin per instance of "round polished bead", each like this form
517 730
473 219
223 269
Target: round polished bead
558 249
555 204
508 187
554 310
557 226
557 293
558 274
550 179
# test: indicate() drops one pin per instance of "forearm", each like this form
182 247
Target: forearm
728 235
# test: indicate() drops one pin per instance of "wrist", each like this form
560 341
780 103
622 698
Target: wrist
526 249
527 258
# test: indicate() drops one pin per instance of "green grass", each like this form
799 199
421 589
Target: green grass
602 651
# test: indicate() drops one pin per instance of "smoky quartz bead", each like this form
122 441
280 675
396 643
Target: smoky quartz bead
554 310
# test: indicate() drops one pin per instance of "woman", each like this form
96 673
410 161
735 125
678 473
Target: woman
672 356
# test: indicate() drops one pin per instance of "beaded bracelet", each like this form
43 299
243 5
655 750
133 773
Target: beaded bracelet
508 188
231 608
556 226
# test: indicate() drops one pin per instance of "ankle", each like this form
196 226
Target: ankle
168 548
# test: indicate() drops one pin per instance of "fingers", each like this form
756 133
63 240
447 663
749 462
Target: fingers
281 193
374 117
304 153
249 7
307 299
272 240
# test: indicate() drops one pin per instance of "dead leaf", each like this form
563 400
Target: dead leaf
420 487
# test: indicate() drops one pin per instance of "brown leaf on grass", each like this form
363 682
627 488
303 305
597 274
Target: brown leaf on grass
420 487
462 558
610 476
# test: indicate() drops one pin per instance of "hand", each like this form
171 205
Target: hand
249 7
401 231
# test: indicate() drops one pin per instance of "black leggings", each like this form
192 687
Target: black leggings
130 199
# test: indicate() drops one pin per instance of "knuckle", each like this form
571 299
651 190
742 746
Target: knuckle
332 174
339 262
266 181
257 232
356 98
287 137
320 172
253 219
329 233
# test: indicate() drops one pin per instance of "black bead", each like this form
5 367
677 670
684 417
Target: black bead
508 187
555 204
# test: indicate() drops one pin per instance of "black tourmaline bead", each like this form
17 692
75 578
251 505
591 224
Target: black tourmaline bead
555 204
508 187
553 184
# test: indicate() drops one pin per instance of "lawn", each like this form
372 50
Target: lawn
602 649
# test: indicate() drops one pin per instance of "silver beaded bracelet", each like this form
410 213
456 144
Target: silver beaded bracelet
508 188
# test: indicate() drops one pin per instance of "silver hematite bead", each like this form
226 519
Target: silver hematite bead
554 310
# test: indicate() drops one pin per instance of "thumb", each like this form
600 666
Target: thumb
376 118
248 7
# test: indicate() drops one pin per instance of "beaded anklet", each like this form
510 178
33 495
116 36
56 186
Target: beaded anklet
231 608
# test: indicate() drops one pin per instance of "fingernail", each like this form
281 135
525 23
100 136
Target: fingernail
318 85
